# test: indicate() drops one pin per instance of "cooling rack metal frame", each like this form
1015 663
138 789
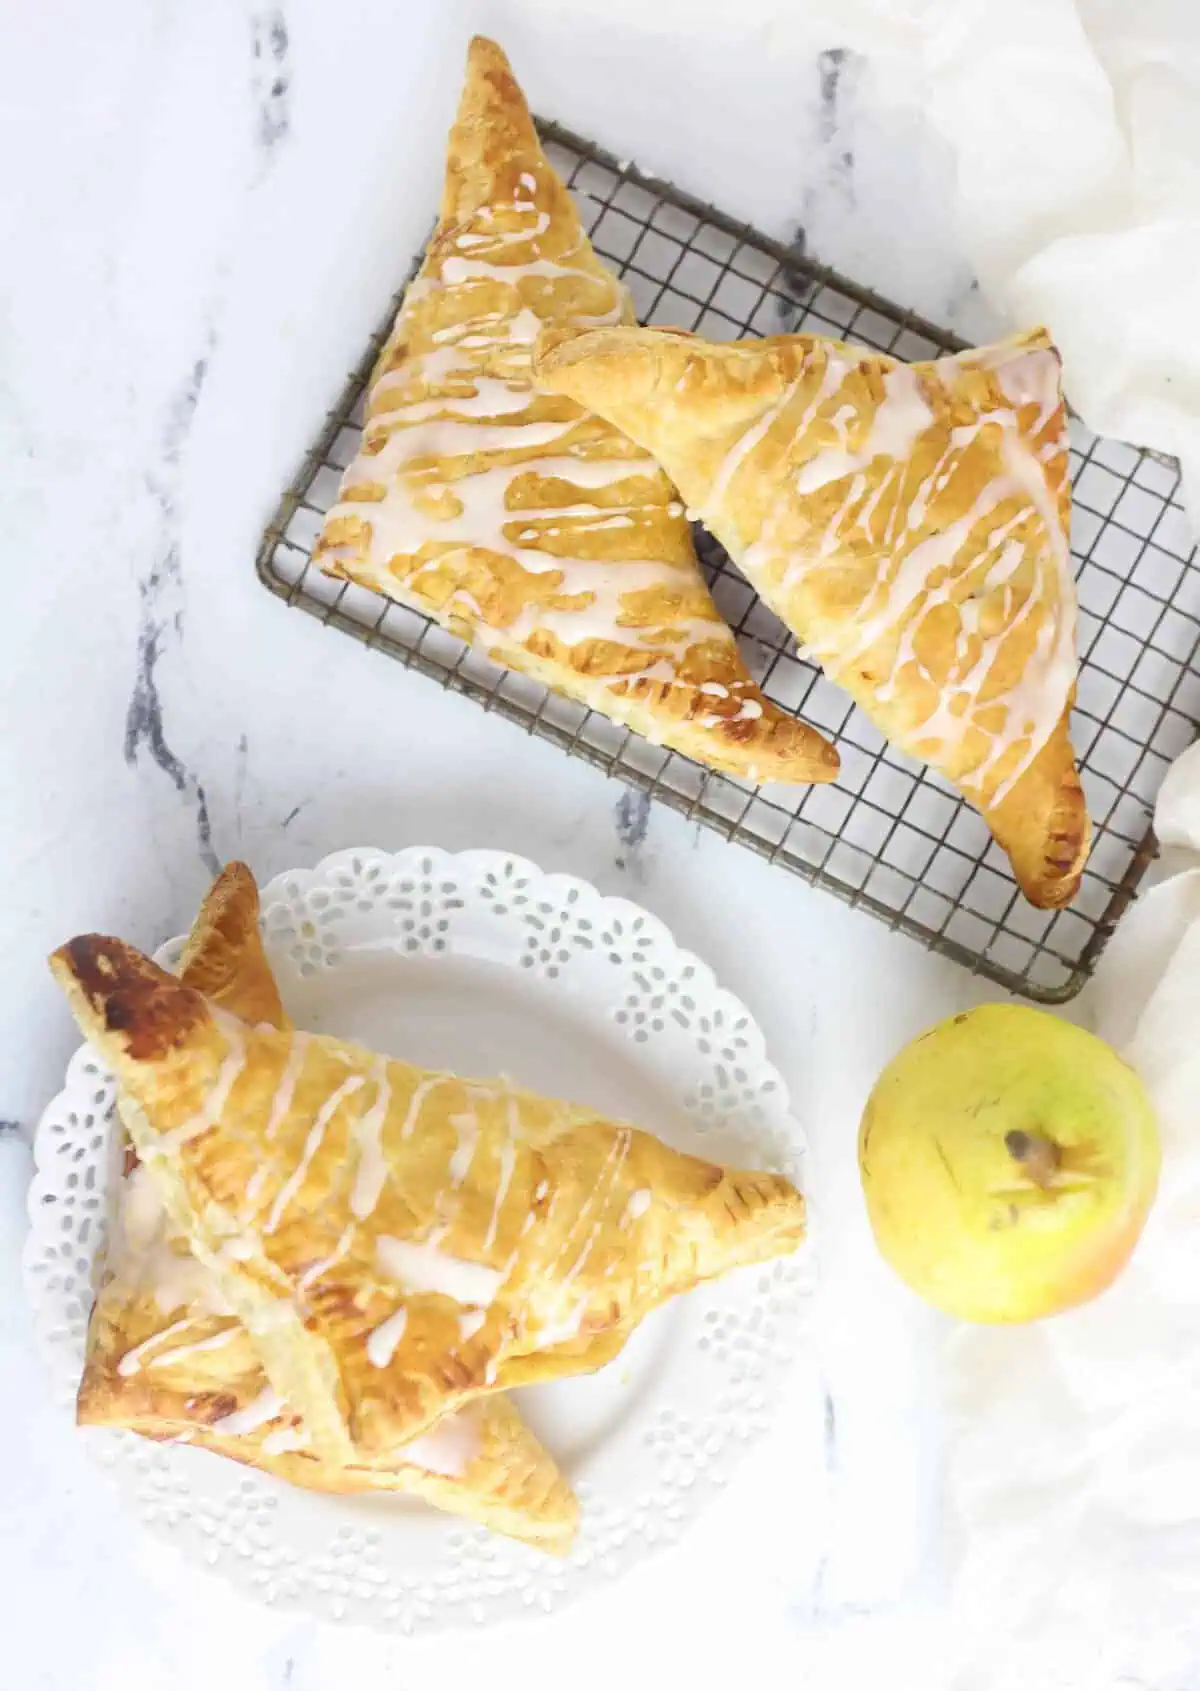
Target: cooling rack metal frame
889 836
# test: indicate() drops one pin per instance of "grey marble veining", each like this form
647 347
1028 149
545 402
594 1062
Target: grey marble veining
162 611
271 79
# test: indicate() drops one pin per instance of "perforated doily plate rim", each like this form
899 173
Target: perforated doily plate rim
620 976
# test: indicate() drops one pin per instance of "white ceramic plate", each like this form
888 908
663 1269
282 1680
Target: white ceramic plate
479 963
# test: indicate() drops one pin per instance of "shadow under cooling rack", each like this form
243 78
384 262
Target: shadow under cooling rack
888 836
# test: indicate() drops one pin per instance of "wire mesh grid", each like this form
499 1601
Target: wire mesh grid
889 835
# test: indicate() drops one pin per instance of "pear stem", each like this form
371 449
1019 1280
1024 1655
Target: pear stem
1039 1157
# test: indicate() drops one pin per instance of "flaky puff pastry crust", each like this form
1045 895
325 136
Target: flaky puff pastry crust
223 956
908 524
168 1358
496 1236
523 524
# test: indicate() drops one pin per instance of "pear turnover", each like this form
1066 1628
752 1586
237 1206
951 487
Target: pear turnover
517 520
168 1358
909 525
399 1242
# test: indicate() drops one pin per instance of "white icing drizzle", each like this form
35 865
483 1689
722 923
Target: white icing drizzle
318 1269
281 1100
894 595
466 1128
1050 673
508 1160
416 1102
256 1413
837 365
483 396
371 1172
639 1203
741 449
563 1330
918 577
316 1133
421 1267
255 1184
1029 377
484 515
131 1362
478 411
500 238
595 1204
215 1341
900 421
382 1340
215 1100
456 270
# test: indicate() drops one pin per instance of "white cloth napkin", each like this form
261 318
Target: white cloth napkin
1074 1481
1077 129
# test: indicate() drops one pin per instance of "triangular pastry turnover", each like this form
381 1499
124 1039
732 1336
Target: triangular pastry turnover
400 1241
907 522
168 1358
528 527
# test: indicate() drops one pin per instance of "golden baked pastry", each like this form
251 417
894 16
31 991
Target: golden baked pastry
168 1358
908 524
516 520
397 1241
223 956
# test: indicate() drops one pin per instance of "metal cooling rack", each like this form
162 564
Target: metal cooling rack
888 836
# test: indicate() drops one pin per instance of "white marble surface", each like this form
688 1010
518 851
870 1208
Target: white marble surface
209 205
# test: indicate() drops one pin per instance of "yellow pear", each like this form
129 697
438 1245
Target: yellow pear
1009 1161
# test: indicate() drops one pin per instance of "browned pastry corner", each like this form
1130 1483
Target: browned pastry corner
908 524
167 1357
105 978
399 1242
519 521
224 957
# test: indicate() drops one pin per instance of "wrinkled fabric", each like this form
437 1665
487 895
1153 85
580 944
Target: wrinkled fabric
1074 1475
